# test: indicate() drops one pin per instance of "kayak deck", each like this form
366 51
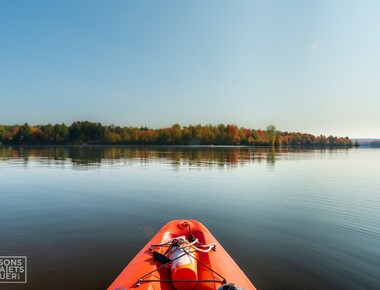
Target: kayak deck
216 266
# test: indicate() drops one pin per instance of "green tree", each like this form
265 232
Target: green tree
272 134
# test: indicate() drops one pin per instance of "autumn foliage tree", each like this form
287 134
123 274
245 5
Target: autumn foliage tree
233 134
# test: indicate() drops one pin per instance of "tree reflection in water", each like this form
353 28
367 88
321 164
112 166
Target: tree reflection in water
199 156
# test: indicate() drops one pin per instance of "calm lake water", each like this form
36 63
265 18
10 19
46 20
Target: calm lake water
291 219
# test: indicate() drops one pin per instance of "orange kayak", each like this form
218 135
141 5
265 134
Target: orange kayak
183 255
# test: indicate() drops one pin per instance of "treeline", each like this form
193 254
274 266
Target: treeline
82 133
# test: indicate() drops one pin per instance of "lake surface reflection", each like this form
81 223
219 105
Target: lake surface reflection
187 155
291 218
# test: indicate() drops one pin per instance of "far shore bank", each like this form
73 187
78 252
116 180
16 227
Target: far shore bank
89 133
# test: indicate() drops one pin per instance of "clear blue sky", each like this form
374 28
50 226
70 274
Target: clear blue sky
311 66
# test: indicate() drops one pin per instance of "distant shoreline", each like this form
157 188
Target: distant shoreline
89 133
368 142
180 146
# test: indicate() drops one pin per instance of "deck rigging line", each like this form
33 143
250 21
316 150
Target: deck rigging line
174 242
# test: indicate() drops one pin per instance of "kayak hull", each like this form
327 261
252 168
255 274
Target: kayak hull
212 266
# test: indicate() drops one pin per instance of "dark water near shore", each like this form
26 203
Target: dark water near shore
292 219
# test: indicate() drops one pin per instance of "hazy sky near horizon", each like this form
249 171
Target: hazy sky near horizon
310 66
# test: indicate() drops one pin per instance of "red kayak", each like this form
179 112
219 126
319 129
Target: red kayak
183 255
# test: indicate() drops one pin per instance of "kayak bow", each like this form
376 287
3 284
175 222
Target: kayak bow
183 255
